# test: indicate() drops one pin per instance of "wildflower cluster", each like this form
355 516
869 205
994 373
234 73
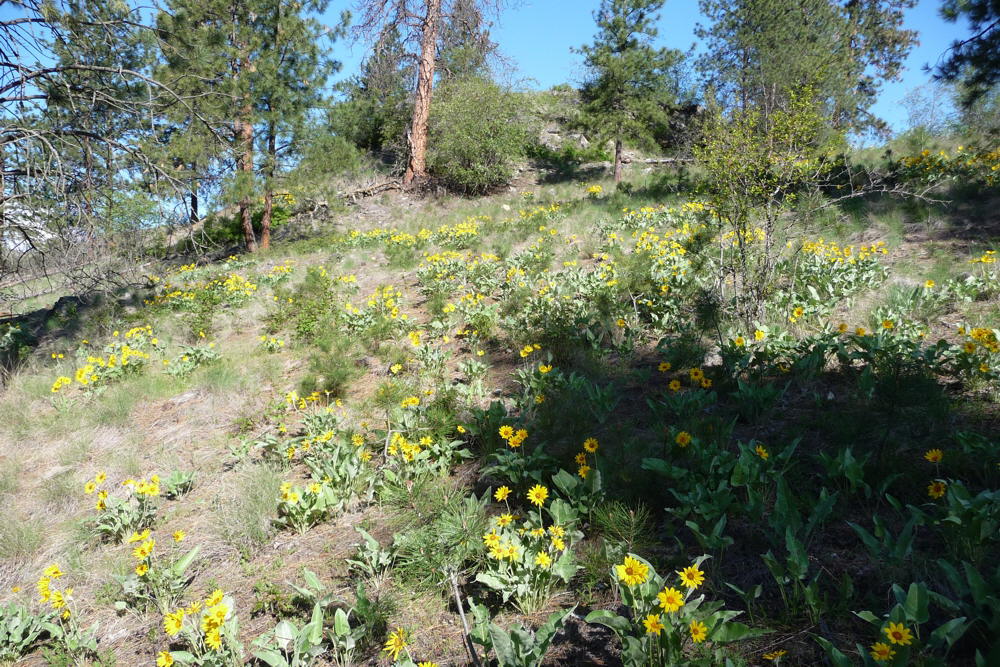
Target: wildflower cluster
667 615
514 439
980 352
158 580
58 599
527 559
383 308
126 354
278 274
121 516
827 272
231 288
78 644
209 630
300 508
190 358
271 344
539 213
965 163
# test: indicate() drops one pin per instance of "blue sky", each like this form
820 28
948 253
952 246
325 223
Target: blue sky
537 36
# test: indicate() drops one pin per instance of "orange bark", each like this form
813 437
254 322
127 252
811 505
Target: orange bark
416 168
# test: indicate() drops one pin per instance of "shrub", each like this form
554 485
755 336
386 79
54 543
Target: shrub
229 229
15 346
567 158
476 134
331 367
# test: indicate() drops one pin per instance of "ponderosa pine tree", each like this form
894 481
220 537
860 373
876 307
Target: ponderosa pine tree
629 86
377 102
210 44
193 139
291 76
420 24
77 103
256 63
98 36
975 60
759 50
465 47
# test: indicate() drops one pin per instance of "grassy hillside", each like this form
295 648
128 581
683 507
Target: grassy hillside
332 425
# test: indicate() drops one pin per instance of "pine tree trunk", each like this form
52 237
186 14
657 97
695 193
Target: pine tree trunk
272 151
193 196
245 161
242 67
3 191
265 221
193 217
88 179
416 168
618 160
244 132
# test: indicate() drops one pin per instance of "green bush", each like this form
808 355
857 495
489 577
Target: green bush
371 124
331 367
15 346
568 157
476 134
229 229
324 157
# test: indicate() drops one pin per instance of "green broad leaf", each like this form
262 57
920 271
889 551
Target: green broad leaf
915 605
798 560
945 602
562 512
312 581
977 585
565 482
870 617
490 580
731 631
314 631
785 513
722 616
905 540
694 604
284 634
621 625
700 559
835 655
183 657
565 568
522 639
872 544
503 646
54 629
659 466
267 655
181 566
822 510
741 473
480 629
634 652
341 626
548 630
958 583
949 632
